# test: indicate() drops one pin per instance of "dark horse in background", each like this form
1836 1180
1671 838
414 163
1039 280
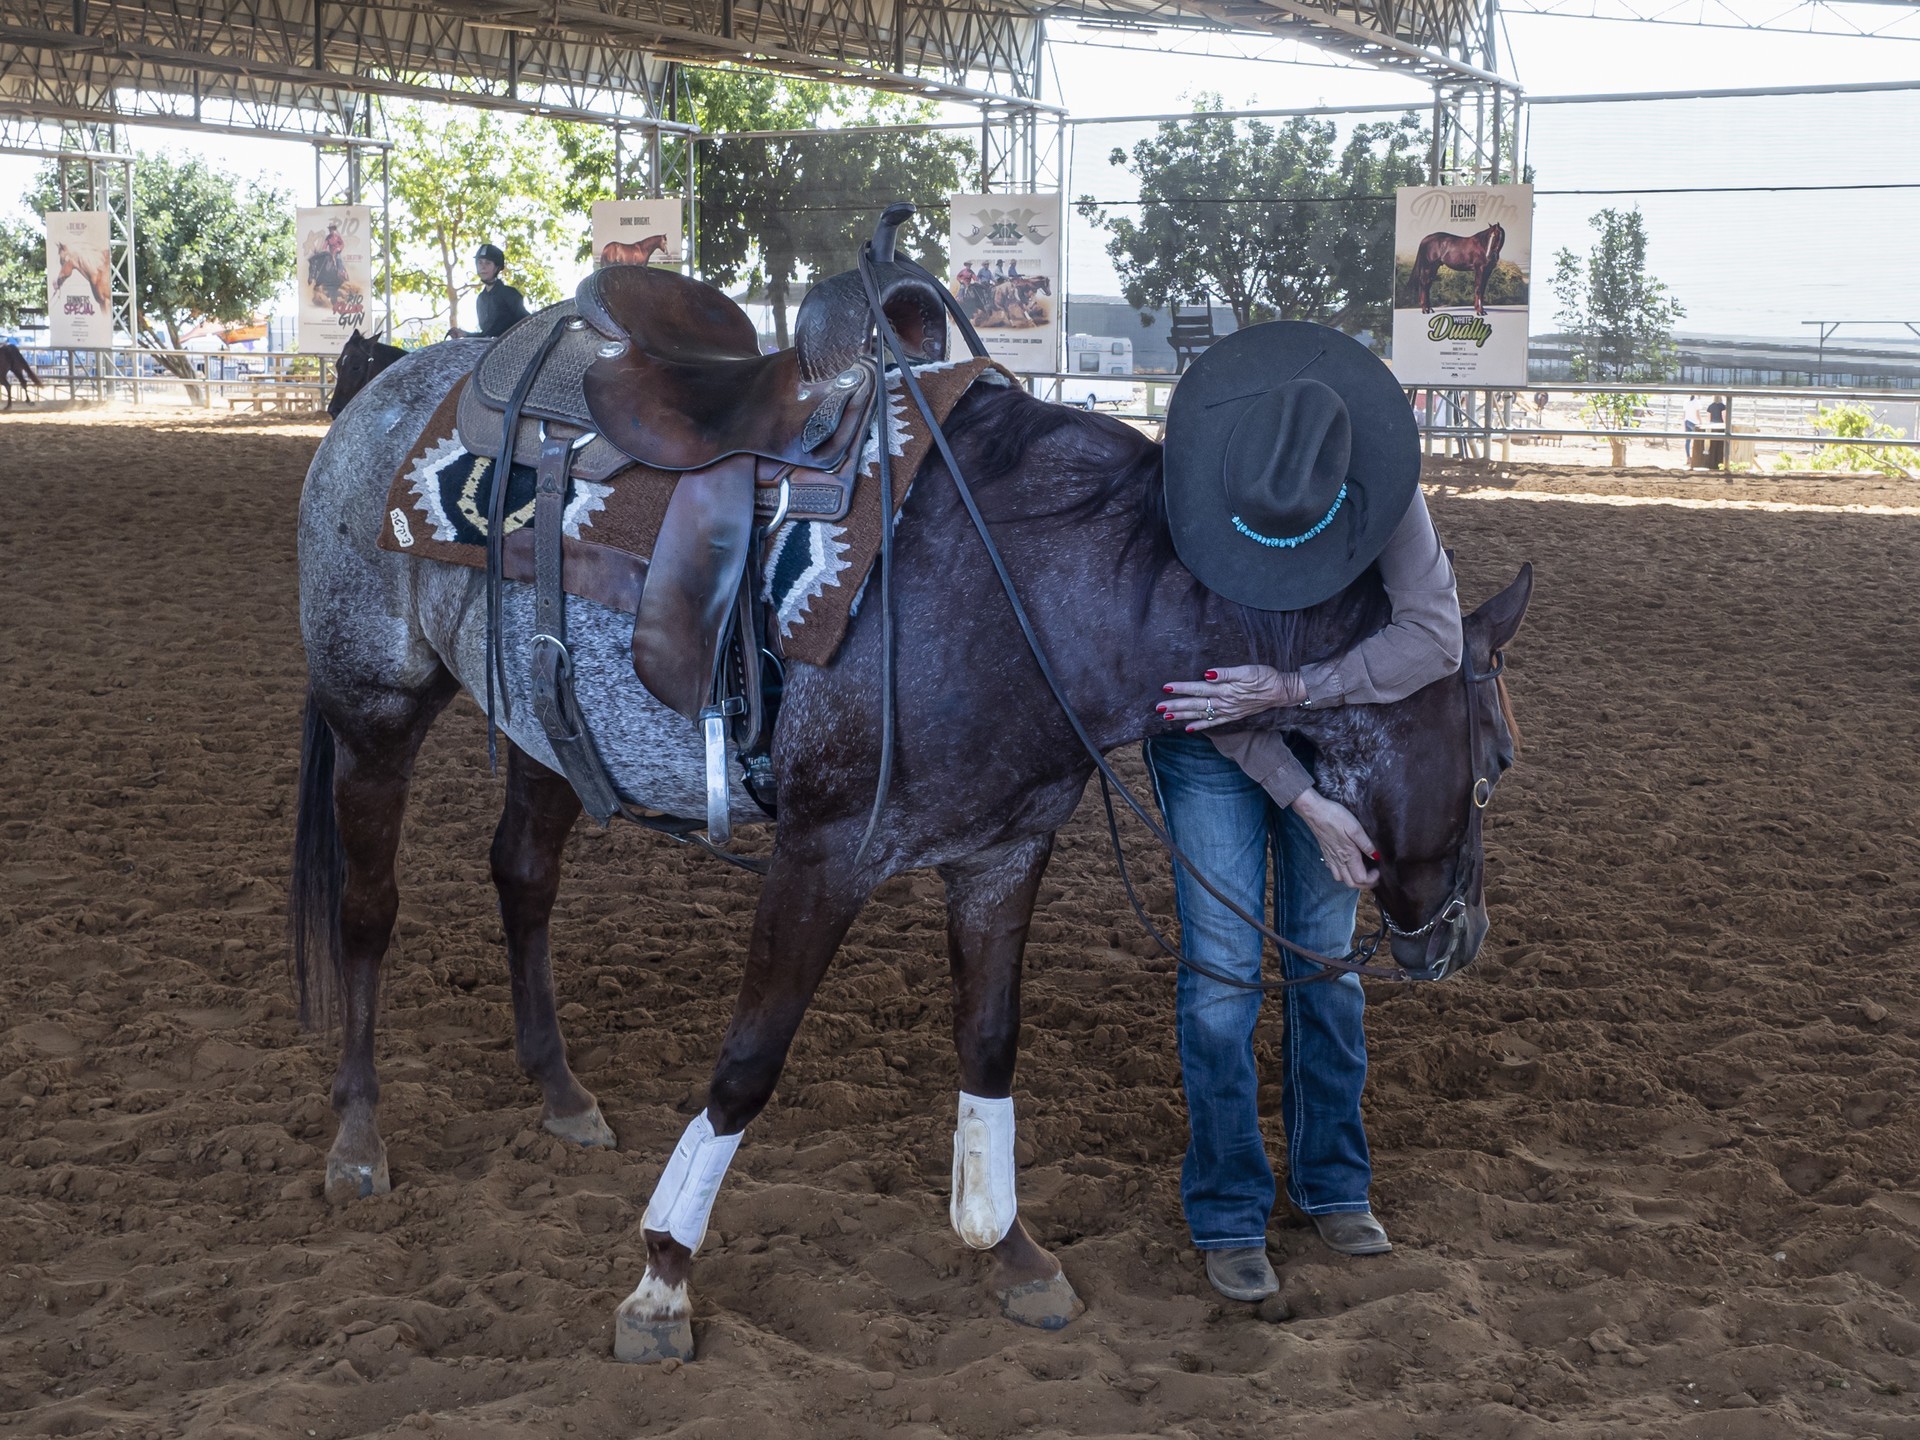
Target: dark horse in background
1478 253
361 358
986 768
14 365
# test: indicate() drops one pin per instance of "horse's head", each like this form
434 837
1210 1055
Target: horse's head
67 264
1418 774
1496 237
352 370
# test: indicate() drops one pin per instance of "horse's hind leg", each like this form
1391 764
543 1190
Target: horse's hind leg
372 767
540 810
989 907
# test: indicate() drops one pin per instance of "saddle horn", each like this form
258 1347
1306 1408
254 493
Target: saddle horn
888 230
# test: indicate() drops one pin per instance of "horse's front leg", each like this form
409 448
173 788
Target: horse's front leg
989 907
805 908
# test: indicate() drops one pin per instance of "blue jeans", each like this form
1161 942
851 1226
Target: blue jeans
1228 826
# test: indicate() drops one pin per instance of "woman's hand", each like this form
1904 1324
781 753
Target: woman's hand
1230 694
1345 848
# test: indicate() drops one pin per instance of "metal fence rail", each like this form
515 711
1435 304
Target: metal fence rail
253 379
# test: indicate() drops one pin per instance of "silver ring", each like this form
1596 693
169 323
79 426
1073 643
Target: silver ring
1209 707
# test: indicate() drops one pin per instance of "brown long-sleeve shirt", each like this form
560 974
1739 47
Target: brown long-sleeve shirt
1419 645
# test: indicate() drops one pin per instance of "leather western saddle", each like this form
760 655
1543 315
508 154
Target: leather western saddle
646 365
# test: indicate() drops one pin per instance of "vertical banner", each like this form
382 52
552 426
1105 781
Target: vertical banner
335 283
638 232
1462 268
79 279
1005 254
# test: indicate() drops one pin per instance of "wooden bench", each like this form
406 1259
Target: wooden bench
261 395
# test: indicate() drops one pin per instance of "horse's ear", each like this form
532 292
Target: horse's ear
375 336
1493 626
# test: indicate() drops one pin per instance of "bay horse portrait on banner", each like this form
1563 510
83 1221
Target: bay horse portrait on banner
94 272
1478 253
965 761
634 252
13 365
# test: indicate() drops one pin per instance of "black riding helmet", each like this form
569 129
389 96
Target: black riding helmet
493 253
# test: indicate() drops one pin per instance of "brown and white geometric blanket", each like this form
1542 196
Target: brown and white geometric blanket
812 571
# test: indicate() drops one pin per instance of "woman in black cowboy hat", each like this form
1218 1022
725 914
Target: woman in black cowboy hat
498 307
1292 464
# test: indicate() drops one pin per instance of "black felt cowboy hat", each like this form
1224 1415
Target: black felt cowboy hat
1291 455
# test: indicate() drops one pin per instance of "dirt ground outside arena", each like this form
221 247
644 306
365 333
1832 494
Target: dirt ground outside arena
1652 1165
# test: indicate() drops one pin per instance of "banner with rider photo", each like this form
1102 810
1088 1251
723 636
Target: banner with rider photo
1463 264
639 232
1005 257
79 279
335 283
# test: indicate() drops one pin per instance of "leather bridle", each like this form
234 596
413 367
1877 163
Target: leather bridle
1356 960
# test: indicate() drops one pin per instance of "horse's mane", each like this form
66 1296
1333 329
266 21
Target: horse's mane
1107 468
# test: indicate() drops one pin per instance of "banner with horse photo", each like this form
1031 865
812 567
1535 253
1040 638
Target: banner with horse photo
1463 262
638 232
79 279
1005 253
335 283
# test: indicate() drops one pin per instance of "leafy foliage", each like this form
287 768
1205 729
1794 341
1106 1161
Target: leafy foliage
1272 221
781 211
461 178
1852 426
23 270
205 246
1614 409
1620 318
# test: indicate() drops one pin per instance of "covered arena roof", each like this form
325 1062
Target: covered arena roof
300 66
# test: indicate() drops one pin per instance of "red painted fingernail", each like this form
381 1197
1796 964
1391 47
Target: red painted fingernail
1167 688
1189 729
1373 854
1213 674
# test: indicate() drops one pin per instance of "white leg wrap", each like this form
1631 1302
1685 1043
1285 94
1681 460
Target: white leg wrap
683 1199
983 1206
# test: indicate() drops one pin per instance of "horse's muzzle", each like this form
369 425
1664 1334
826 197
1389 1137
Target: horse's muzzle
1448 948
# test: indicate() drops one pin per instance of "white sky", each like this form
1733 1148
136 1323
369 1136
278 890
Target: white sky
1547 55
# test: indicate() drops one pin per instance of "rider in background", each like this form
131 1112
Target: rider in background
498 306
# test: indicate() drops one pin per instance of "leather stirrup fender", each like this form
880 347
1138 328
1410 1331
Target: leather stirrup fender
692 580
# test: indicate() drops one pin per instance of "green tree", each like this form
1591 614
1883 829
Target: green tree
23 270
1272 221
1619 317
777 213
462 178
206 246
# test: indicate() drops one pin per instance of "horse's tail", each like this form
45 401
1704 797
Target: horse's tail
319 876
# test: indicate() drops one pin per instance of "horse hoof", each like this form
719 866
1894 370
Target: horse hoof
1048 1304
648 1342
588 1129
356 1180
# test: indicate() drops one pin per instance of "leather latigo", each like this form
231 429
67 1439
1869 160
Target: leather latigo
598 573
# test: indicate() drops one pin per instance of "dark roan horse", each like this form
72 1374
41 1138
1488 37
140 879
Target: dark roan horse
986 769
1479 253
14 366
361 358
